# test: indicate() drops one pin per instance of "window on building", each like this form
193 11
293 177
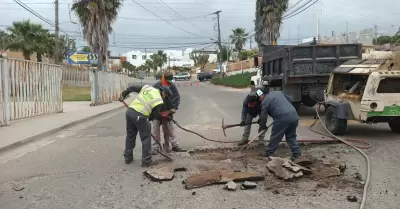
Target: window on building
144 57
134 56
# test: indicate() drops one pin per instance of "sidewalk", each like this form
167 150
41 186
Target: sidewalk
24 131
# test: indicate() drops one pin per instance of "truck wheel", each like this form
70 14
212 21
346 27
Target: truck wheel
334 124
308 101
395 125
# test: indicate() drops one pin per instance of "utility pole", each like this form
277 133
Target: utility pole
347 32
219 29
57 24
251 37
376 34
318 13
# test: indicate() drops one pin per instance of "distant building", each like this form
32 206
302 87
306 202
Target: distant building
178 58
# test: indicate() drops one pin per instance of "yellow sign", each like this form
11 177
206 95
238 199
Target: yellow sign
79 57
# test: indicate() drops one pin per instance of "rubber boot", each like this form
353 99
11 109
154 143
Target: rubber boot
146 165
178 149
128 158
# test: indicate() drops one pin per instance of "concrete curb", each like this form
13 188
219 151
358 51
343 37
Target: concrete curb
52 131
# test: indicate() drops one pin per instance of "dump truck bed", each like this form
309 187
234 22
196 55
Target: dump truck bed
305 63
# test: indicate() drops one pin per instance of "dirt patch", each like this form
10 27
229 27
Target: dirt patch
324 166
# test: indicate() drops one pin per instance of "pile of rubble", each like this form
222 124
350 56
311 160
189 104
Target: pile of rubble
286 169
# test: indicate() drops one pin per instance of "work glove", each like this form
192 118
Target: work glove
124 94
261 129
242 123
259 121
173 111
164 114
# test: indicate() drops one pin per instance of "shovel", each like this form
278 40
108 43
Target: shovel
251 141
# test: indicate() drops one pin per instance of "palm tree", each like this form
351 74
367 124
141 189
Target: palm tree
150 66
3 40
268 21
29 38
159 59
96 17
239 38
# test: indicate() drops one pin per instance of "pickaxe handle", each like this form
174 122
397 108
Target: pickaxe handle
235 125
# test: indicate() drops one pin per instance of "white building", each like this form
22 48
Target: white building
137 58
178 58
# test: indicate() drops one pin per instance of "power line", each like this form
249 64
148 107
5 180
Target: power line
287 17
165 20
183 18
27 8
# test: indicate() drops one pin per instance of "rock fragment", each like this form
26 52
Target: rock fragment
337 164
227 176
277 168
328 172
231 186
197 180
248 185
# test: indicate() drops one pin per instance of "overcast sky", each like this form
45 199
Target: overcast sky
137 29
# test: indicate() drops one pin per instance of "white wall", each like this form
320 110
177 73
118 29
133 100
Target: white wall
136 57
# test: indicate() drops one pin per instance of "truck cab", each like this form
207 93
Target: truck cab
367 91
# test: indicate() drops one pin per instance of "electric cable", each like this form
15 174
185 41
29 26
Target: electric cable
183 18
166 20
301 10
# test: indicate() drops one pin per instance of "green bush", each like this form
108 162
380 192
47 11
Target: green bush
236 81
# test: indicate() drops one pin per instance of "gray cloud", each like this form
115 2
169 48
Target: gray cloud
137 28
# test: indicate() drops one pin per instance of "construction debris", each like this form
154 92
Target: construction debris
352 198
328 172
197 180
227 176
201 179
231 186
337 164
286 169
248 185
305 160
165 173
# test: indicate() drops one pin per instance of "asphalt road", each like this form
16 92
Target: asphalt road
83 167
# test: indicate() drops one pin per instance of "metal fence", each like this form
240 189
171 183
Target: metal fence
75 77
28 89
110 86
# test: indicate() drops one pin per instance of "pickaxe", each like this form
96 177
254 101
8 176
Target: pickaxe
233 125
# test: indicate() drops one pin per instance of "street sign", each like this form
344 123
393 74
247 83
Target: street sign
81 58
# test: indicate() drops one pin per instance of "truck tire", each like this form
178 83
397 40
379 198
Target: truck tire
395 125
335 125
252 83
308 101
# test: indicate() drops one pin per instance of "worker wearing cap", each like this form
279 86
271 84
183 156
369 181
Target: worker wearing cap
166 80
251 109
279 106
144 108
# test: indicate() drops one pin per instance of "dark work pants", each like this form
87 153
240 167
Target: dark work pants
280 129
137 122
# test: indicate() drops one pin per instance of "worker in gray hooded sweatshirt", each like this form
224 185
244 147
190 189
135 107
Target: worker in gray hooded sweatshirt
279 106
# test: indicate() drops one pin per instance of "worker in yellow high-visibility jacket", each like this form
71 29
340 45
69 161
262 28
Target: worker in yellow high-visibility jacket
144 108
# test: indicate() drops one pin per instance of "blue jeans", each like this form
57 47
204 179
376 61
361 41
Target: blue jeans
280 129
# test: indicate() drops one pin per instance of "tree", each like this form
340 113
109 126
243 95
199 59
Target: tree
96 17
4 40
246 54
200 59
238 38
127 65
224 54
149 64
159 59
86 49
268 21
29 38
387 40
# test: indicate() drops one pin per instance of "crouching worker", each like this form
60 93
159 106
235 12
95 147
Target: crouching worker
144 108
250 110
279 106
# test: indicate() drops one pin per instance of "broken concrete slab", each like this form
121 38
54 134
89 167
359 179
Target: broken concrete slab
248 185
231 186
165 173
197 180
277 168
227 176
304 160
328 172
338 164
